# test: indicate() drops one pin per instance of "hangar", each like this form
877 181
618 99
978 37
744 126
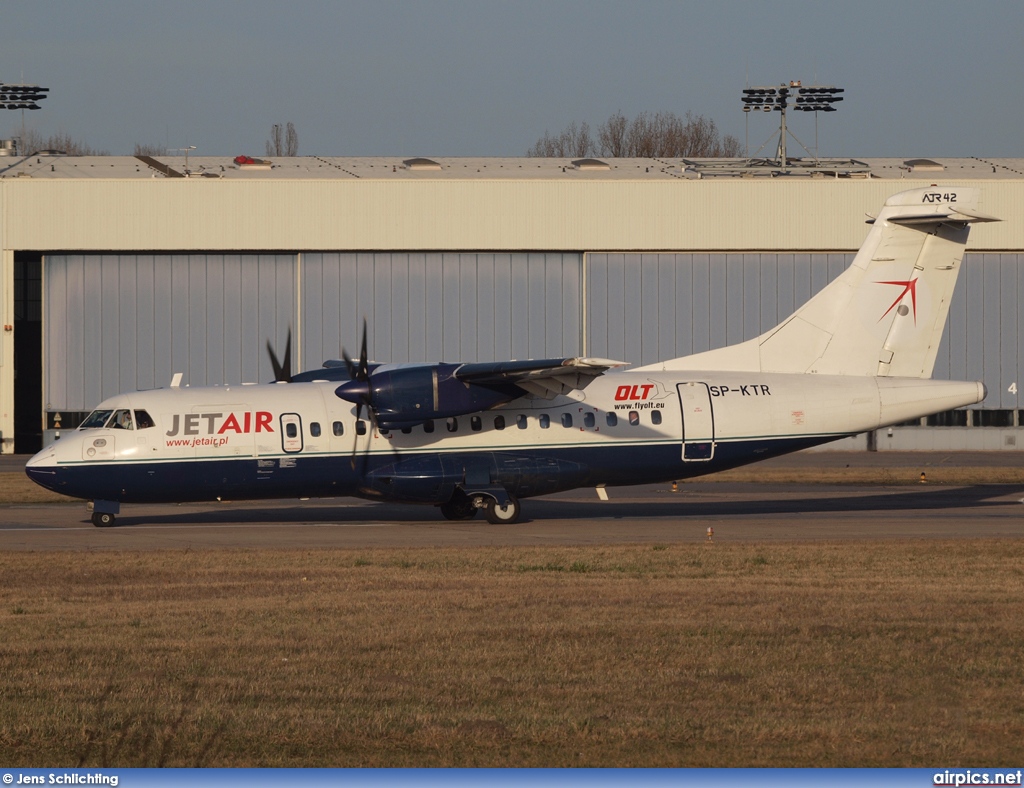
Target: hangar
120 271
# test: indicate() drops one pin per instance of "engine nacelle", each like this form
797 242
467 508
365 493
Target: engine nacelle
405 396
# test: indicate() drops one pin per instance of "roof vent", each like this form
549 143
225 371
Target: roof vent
924 165
420 163
590 164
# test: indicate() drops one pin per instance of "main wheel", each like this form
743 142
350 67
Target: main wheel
498 515
102 519
459 509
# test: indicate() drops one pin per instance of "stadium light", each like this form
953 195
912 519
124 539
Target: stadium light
21 96
779 98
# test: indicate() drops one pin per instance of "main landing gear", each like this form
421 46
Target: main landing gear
464 507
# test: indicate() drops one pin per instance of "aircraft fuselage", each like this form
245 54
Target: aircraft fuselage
300 440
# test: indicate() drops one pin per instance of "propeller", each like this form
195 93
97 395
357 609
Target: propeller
282 369
357 390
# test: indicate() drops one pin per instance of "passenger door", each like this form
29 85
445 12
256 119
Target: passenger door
291 433
698 421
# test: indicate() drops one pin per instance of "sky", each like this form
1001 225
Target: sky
406 78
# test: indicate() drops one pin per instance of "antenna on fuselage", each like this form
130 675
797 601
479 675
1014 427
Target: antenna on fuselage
176 380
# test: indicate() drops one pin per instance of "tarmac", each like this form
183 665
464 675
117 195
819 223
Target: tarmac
657 514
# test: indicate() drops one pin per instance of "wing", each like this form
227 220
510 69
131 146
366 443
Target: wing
543 378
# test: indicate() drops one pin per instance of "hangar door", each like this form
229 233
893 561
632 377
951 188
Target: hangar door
645 308
123 322
120 322
438 306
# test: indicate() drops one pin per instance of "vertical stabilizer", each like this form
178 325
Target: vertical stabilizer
884 315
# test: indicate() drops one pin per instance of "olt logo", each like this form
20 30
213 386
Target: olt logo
641 391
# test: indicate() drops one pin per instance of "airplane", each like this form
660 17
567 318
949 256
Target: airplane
858 356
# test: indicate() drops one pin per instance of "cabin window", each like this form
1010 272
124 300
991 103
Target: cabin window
499 422
360 427
634 418
291 429
122 420
338 428
453 424
521 421
143 420
589 420
407 430
475 424
611 419
566 419
95 420
655 417
545 421
428 426
314 429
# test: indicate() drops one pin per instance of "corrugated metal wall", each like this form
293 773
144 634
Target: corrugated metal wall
644 308
983 338
124 322
572 211
441 306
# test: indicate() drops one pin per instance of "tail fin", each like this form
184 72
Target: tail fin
885 314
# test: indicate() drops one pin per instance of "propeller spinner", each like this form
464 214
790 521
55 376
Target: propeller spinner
357 390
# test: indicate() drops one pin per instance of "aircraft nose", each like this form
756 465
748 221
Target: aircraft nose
47 458
42 468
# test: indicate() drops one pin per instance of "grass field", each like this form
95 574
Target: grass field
896 653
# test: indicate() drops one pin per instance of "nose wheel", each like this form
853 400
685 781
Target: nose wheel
102 519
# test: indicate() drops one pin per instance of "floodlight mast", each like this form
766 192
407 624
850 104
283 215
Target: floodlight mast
812 98
21 97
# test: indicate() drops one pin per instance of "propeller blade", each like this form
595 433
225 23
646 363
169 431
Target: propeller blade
282 369
364 362
357 391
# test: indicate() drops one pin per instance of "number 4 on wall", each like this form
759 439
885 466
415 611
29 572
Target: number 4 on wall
1013 388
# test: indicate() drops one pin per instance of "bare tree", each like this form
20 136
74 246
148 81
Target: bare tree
611 136
648 135
149 150
574 142
283 142
33 141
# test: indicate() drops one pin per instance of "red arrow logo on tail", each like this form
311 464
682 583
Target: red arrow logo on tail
908 287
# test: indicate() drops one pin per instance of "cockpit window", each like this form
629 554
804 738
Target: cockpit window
122 420
95 420
143 420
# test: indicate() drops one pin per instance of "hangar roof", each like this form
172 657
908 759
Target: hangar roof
59 166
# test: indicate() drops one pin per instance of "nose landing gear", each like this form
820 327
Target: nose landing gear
102 519
104 513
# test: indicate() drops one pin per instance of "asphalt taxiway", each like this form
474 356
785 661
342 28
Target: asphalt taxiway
651 514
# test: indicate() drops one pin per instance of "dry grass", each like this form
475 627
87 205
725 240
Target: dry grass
16 487
895 653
